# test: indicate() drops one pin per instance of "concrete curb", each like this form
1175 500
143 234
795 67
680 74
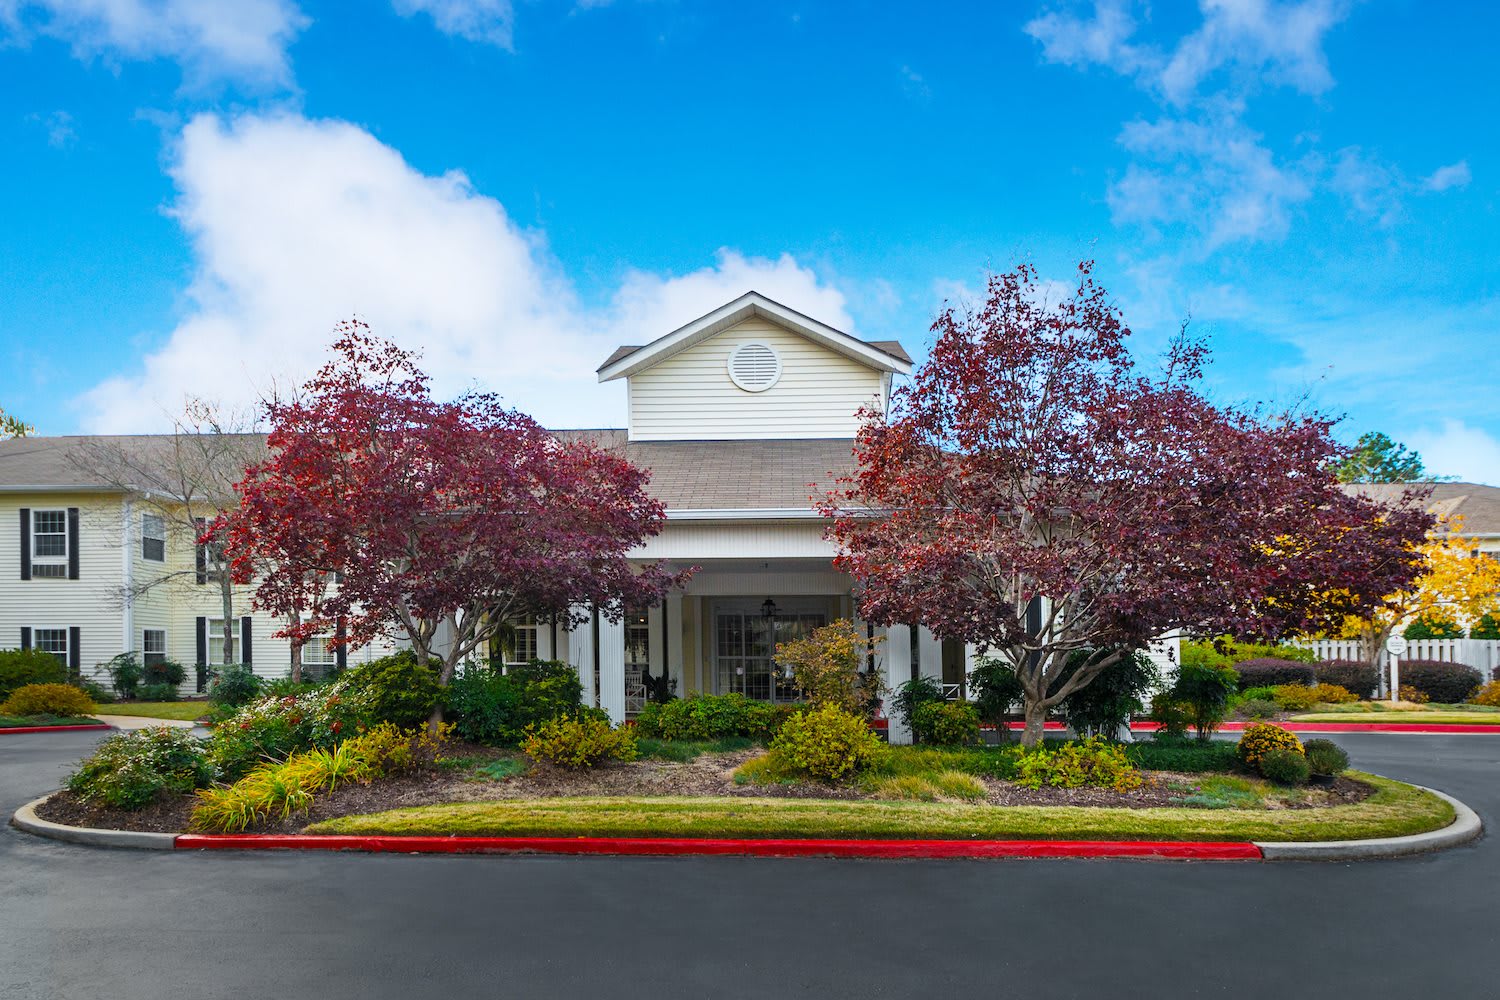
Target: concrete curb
1466 826
26 819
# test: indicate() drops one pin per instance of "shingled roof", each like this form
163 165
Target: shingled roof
685 475
1477 504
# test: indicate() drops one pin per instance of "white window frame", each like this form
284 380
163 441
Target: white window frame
325 656
146 651
147 536
56 565
215 627
36 641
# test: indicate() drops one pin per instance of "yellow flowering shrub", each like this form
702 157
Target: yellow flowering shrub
828 743
1263 737
1487 695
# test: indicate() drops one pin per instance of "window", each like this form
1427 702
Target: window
52 640
516 643
216 651
49 544
153 646
317 652
211 562
153 538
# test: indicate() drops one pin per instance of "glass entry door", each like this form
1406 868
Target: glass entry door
744 644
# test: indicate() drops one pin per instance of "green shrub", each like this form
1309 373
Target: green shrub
1285 767
1204 691
397 688
1441 681
272 729
579 742
1355 676
1295 697
1257 708
19 667
1107 702
1433 627
1209 652
125 672
283 687
1260 739
157 692
164 672
946 723
1171 715
129 770
234 686
1325 757
98 693
915 692
995 689
47 699
1487 627
1093 762
827 743
1169 753
496 709
712 717
1266 692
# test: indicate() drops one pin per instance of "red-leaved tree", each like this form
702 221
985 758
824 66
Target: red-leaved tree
1030 461
382 512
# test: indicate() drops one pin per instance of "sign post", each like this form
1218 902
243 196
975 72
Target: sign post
1396 647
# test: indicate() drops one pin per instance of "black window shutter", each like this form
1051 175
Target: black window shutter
201 555
245 657
72 543
202 641
25 637
26 544
341 653
75 634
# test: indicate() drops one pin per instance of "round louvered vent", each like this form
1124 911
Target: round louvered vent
754 367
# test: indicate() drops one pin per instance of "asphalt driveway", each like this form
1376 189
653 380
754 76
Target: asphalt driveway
81 922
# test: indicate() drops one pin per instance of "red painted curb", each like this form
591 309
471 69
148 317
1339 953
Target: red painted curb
50 729
1314 727
1198 850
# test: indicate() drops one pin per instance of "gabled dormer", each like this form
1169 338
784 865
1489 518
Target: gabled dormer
754 369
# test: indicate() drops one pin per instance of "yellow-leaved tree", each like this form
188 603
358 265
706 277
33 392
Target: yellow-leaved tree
1454 584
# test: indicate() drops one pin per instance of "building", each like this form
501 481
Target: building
741 415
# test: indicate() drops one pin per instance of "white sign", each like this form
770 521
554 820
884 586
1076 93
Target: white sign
1396 645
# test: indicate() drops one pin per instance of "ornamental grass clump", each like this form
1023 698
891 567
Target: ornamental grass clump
1092 763
62 700
1285 767
826 743
1261 738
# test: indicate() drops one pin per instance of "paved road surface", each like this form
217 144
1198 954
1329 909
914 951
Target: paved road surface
94 923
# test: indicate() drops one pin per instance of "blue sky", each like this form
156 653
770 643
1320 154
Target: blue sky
192 198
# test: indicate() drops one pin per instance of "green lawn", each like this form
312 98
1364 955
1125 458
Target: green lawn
185 711
1446 717
20 721
1395 809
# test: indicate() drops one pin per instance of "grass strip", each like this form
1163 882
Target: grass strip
182 711
27 721
1393 718
1395 809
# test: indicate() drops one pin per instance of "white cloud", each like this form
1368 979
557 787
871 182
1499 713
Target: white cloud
1456 449
59 128
1372 188
296 224
1103 39
1263 39
1455 175
245 40
1215 174
488 21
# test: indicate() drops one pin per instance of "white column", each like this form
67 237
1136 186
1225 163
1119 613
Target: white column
579 643
930 654
672 630
612 668
896 651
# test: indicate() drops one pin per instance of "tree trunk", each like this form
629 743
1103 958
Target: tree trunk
1036 715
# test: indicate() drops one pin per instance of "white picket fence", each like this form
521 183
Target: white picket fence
1481 654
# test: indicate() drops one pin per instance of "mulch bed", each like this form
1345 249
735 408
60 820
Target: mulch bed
708 775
